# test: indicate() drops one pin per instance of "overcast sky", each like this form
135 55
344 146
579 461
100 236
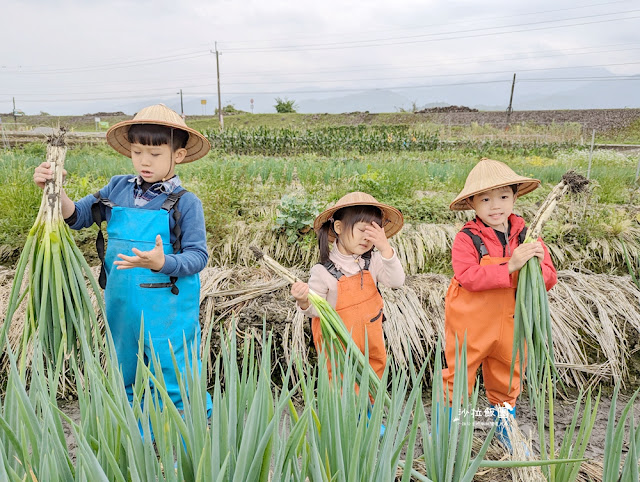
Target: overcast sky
69 56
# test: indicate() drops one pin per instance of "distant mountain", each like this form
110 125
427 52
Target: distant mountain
533 91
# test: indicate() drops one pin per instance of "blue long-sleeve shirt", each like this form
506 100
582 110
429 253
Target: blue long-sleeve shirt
193 256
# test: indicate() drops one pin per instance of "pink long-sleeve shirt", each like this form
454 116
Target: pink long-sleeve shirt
389 272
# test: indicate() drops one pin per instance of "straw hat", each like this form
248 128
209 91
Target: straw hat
159 114
489 174
392 219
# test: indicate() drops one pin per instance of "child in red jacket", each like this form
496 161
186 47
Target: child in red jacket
486 257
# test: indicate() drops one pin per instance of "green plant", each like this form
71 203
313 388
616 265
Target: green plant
230 109
634 271
295 216
448 437
614 439
285 106
532 318
574 443
59 310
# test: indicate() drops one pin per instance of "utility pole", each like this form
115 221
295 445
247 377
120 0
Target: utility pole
219 98
15 120
510 109
181 105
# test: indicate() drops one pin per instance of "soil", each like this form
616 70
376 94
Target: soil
449 108
600 119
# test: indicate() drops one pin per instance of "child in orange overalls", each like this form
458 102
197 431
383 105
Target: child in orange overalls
486 256
348 274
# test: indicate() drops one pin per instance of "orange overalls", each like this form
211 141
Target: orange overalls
487 318
360 306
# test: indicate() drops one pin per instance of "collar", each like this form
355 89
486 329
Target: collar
165 187
342 260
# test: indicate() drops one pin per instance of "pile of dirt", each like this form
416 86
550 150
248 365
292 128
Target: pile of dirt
105 114
449 108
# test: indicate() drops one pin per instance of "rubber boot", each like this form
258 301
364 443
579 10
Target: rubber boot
502 416
437 421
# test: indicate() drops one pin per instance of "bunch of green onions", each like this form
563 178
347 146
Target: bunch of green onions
337 340
532 319
532 324
58 303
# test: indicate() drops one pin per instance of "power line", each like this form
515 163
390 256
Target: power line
119 65
386 42
185 82
431 64
170 92
439 75
316 81
422 27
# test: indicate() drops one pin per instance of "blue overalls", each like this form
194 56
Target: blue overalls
170 306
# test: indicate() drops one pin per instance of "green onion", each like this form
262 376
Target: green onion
532 319
334 332
59 308
614 442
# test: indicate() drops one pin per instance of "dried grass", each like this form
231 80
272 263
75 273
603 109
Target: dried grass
602 311
423 247
595 317
601 253
417 244
234 249
407 333
522 451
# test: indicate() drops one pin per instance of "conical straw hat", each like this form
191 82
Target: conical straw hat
489 174
392 219
159 114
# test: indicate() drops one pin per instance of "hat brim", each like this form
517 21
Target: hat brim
197 145
393 219
461 203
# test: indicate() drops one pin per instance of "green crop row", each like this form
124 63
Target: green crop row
367 140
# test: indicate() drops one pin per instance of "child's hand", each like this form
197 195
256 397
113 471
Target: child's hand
524 253
153 259
43 173
300 291
375 233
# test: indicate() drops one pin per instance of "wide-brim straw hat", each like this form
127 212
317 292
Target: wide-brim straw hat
489 174
159 114
392 219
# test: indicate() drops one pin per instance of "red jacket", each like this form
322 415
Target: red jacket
466 266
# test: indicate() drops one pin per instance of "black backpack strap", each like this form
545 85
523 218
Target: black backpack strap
337 274
367 260
96 214
478 243
522 235
172 203
333 271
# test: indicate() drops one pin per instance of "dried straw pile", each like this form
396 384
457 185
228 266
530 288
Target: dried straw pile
596 317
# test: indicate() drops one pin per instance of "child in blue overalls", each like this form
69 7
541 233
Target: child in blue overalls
156 243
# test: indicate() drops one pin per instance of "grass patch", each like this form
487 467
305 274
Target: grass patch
244 191
626 135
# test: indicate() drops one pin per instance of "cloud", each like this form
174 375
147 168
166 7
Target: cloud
72 50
